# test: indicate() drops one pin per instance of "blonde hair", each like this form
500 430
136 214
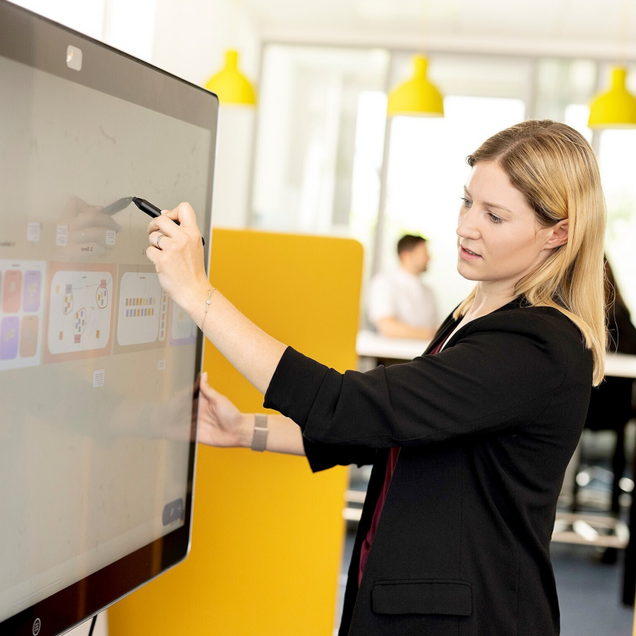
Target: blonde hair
554 167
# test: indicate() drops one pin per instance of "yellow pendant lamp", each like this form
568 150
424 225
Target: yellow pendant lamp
617 107
232 87
417 97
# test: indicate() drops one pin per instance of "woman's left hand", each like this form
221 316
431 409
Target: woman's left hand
176 251
220 422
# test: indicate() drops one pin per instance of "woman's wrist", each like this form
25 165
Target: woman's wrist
198 301
248 423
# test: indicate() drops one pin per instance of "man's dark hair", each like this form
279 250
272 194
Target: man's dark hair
408 242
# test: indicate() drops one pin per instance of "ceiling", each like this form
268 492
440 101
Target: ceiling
598 27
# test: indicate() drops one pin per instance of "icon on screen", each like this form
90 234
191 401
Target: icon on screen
172 512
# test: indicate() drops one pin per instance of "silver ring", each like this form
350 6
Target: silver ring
158 239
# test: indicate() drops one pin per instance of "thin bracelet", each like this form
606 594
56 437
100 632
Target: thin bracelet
259 441
207 305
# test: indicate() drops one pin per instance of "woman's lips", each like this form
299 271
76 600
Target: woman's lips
467 255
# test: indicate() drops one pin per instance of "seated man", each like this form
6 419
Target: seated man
400 304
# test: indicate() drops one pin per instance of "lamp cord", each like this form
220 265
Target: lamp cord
622 55
90 632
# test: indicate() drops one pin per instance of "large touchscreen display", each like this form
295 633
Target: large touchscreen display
97 365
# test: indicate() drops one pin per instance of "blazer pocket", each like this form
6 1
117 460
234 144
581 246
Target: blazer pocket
423 596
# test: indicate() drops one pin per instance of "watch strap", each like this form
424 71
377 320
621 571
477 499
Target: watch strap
259 441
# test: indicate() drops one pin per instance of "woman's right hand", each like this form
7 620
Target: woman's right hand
220 422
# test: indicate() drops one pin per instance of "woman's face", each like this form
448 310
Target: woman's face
499 238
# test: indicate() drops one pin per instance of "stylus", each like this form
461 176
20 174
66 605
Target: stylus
148 208
151 210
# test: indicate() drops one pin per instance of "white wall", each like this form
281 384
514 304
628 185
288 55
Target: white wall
190 39
129 25
81 15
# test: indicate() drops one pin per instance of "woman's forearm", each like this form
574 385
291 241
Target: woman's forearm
249 349
178 261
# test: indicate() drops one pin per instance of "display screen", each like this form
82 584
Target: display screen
97 366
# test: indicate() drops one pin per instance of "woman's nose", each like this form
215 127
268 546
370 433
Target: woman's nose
467 224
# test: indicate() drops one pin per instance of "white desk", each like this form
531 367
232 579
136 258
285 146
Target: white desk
372 345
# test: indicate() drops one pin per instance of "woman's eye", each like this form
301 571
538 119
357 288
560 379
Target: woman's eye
466 202
494 218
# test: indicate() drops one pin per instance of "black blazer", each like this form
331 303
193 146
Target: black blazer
486 428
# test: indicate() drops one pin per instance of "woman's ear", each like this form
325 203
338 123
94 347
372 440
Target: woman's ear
558 235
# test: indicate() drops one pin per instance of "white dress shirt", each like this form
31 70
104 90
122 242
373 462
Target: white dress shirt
399 294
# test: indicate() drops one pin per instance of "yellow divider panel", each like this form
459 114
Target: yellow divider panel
267 536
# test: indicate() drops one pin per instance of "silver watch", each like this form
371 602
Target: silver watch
259 441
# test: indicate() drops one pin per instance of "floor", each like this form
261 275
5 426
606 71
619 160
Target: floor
589 593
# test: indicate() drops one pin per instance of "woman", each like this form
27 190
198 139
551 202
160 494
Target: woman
474 437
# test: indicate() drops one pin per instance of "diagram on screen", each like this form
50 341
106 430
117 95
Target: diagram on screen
20 313
79 313
142 311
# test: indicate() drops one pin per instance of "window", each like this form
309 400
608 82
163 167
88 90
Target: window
319 141
616 158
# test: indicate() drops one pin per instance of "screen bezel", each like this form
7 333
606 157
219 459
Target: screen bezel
40 43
